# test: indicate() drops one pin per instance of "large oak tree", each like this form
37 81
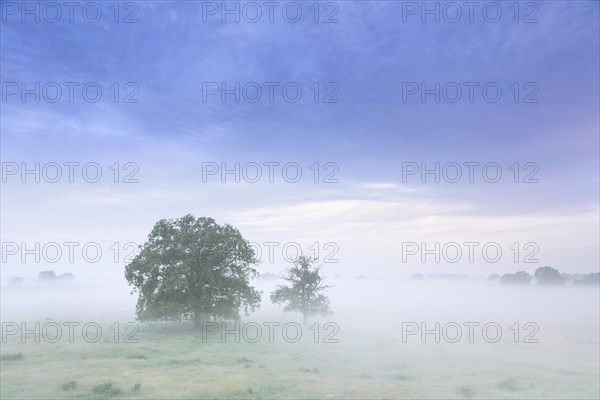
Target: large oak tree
193 269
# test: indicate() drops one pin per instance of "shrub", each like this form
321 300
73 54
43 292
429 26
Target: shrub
313 371
401 377
11 357
46 275
68 385
107 390
136 357
509 385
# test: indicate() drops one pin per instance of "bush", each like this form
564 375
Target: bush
401 377
467 392
107 390
68 385
11 357
46 275
312 371
136 357
509 385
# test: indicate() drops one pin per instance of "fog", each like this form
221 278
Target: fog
370 306
393 334
260 200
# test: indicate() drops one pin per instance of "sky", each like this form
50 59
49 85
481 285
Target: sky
366 118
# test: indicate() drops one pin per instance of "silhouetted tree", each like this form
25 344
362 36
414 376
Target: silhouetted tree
548 276
46 275
519 278
305 292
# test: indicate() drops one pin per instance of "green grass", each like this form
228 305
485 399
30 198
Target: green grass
172 362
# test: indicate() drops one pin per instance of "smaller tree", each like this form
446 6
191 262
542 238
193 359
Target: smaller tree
548 276
305 292
46 275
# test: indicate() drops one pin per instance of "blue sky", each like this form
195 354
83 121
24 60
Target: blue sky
368 133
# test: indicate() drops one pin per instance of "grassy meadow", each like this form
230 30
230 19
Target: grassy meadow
369 360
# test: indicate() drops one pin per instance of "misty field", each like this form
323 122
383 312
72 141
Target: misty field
361 354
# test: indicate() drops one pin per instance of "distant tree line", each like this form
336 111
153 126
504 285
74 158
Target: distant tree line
43 276
543 276
548 276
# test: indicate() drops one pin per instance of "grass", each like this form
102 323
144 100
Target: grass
107 390
170 363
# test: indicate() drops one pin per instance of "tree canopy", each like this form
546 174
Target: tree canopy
592 279
193 269
548 276
518 278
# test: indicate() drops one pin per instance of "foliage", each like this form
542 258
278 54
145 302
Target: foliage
548 276
305 292
71 385
46 275
107 390
519 278
193 269
11 357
